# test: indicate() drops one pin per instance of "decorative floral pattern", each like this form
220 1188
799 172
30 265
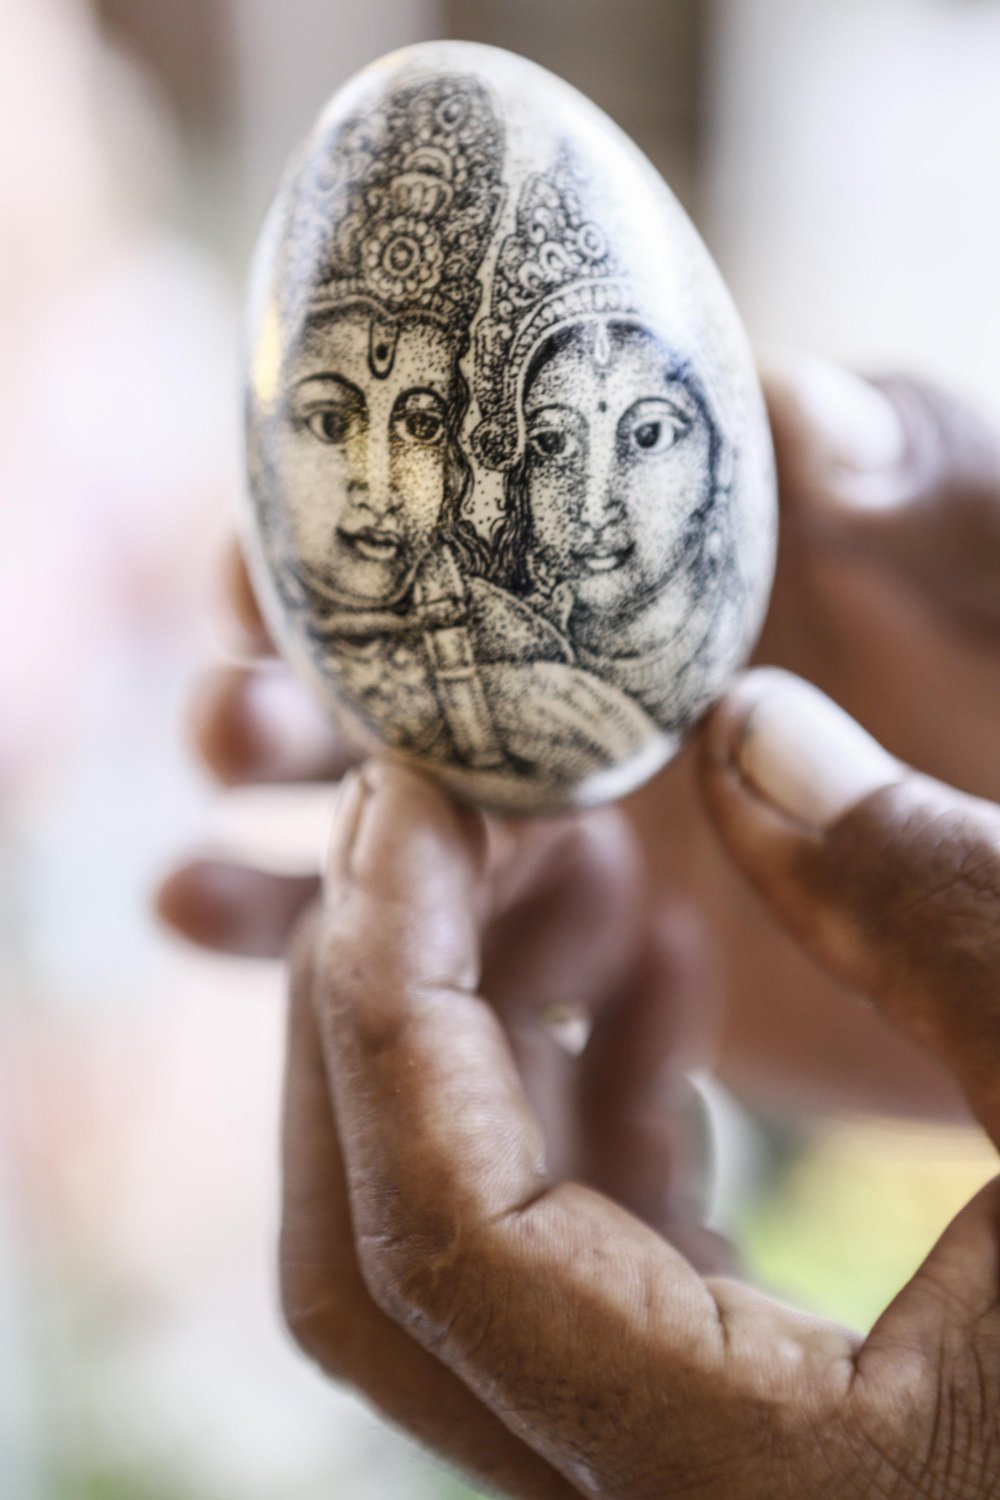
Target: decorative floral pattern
403 258
397 207
557 265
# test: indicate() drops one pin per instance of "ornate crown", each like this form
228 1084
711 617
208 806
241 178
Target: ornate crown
394 209
557 268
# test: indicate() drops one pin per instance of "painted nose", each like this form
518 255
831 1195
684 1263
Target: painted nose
601 503
370 482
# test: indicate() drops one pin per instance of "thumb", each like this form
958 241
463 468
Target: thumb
890 879
894 469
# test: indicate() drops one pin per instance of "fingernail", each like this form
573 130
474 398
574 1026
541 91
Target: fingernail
345 820
802 753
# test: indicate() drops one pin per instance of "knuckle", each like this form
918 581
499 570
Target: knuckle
414 1278
932 897
948 868
321 1317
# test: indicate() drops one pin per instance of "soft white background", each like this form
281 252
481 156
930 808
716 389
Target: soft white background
841 157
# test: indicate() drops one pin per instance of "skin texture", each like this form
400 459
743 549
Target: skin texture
497 1242
602 1122
508 1274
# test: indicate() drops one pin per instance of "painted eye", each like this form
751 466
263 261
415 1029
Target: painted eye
554 442
424 426
653 426
419 418
330 424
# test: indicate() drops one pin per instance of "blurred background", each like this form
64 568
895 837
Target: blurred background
840 159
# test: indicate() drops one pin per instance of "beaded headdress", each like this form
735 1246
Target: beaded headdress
394 211
555 270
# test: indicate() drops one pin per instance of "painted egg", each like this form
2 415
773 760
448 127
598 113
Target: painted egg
512 497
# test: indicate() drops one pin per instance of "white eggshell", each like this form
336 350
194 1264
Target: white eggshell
512 497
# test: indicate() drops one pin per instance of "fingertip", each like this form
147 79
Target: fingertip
401 914
894 470
401 836
230 908
743 820
412 800
261 725
195 904
215 724
170 903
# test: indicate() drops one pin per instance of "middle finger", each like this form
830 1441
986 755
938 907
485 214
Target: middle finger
256 725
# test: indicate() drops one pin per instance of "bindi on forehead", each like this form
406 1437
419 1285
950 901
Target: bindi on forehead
341 345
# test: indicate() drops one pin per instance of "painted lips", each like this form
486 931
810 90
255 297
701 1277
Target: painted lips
602 562
373 544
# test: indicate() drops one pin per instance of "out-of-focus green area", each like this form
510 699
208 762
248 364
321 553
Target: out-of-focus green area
853 1213
846 1217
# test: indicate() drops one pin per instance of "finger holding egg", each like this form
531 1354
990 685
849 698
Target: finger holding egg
512 500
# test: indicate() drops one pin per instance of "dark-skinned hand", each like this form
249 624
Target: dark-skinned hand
535 1321
885 597
497 1242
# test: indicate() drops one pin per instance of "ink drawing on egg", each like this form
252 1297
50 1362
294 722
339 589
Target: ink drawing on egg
506 517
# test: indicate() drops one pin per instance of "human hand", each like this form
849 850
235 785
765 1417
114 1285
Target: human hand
886 597
436 1257
898 475
557 918
890 504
